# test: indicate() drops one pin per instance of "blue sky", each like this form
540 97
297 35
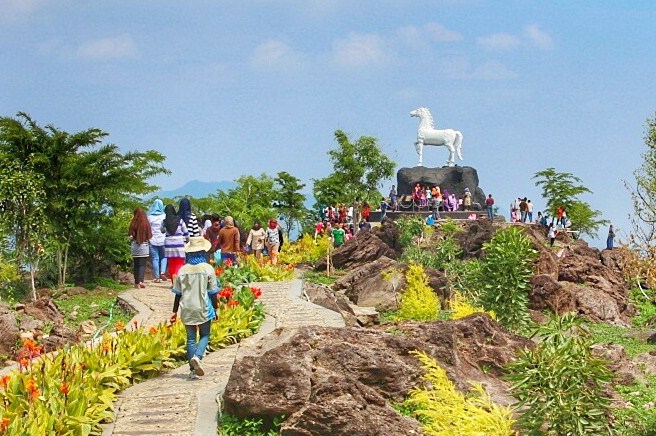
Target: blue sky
227 88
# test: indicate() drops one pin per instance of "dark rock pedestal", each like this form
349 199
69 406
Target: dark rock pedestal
454 179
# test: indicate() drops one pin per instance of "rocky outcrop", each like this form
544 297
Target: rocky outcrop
366 285
574 279
343 381
353 315
363 248
475 233
389 233
9 332
455 179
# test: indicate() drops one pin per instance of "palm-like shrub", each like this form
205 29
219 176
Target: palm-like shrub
560 384
506 272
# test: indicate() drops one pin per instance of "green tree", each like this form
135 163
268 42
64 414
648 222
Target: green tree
359 168
251 200
563 189
85 182
289 201
21 194
643 193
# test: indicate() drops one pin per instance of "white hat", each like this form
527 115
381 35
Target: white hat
197 243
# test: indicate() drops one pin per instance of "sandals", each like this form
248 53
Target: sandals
157 281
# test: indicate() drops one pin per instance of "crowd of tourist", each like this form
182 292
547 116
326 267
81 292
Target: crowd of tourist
162 233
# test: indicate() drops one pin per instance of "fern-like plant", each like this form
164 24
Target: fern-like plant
443 410
418 301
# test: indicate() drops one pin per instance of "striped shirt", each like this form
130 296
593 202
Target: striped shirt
174 245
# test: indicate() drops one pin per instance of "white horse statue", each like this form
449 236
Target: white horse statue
428 135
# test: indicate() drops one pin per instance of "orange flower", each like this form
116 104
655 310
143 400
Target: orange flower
105 346
228 262
218 271
4 381
153 330
119 326
24 362
4 424
32 388
233 303
64 389
135 323
29 344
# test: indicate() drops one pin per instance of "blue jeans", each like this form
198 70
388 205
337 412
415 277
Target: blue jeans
529 216
490 214
523 216
197 348
159 260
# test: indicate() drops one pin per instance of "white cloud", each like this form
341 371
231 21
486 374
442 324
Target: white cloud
499 41
359 50
117 47
440 33
493 70
272 52
538 37
15 9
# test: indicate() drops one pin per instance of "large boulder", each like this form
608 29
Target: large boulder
366 285
9 331
323 296
455 179
389 233
363 248
331 381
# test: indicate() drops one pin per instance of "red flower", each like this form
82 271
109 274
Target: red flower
64 389
218 271
228 262
233 303
257 292
4 424
135 323
226 293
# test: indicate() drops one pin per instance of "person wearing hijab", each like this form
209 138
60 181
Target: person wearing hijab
175 235
157 256
228 240
190 220
256 238
139 233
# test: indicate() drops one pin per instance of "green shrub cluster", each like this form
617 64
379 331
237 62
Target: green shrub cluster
410 228
559 384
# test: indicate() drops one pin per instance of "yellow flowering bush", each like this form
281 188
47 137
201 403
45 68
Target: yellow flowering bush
445 411
305 250
418 301
461 307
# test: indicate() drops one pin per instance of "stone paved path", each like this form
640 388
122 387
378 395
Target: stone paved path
173 405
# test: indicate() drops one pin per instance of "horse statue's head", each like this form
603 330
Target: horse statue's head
422 113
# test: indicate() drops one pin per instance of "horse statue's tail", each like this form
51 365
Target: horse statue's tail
458 144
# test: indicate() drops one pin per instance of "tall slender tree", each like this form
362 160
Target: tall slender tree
289 201
643 193
359 168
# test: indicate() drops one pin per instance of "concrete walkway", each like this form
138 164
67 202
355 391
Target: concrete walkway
171 404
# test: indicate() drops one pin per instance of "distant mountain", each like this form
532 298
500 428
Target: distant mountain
195 189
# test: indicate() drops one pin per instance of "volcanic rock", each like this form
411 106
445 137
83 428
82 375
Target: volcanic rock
455 179
9 331
366 286
363 248
474 235
342 381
